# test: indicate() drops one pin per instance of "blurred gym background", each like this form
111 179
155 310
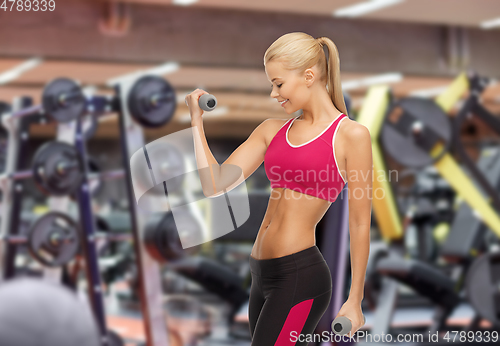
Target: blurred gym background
434 61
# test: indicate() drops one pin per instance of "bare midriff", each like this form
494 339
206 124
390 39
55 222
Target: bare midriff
289 224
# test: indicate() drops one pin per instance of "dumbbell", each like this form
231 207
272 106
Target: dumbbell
342 325
207 102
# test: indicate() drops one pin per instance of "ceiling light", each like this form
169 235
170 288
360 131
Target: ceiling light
364 8
184 2
385 78
488 24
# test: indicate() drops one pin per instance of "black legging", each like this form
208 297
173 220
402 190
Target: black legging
288 297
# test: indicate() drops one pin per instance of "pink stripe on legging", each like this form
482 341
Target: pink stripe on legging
294 322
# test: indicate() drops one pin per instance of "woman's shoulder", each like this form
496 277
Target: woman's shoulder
271 126
352 132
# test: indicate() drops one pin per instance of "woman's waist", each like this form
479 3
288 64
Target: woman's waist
303 258
292 217
287 232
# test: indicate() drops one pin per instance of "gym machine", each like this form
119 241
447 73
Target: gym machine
419 129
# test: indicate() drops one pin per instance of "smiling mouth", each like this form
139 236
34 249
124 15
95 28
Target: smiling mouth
282 103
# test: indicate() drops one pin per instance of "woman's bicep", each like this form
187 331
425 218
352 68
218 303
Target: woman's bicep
250 154
242 162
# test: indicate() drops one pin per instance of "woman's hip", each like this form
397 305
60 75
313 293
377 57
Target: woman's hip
305 273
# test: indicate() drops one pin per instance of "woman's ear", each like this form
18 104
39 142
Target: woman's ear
309 77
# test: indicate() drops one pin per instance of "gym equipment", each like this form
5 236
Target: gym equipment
473 106
207 102
37 313
90 122
214 277
54 239
62 99
464 236
57 168
482 282
148 101
162 239
342 325
152 101
385 208
441 285
17 148
417 125
413 128
428 213
95 184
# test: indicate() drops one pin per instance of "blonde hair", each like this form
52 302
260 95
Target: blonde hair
300 51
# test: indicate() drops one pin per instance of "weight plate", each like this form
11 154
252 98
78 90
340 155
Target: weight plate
163 239
63 100
53 239
152 101
412 127
47 173
481 284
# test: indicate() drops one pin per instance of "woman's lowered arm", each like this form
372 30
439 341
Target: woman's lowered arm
359 189
359 168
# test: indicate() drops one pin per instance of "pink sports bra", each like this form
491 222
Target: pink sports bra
310 168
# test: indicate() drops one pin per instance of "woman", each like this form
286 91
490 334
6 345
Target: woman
308 160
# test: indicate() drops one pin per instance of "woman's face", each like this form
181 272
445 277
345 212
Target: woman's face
287 85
